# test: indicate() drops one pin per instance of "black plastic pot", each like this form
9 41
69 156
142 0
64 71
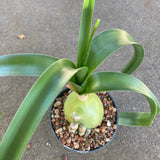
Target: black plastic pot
59 95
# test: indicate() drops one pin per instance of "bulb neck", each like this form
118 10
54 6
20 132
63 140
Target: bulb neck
83 97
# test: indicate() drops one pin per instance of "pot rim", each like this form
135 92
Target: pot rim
94 150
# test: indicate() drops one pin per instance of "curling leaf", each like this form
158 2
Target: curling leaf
106 43
110 81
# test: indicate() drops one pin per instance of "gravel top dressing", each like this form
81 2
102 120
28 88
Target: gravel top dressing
93 138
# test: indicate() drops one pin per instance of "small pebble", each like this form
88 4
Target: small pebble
76 145
68 145
76 137
105 111
102 142
56 116
114 126
73 139
64 128
73 127
103 129
58 103
48 144
134 108
64 141
56 111
107 140
113 114
108 98
96 145
89 140
69 140
65 136
82 130
69 91
111 108
97 130
53 120
61 135
109 135
62 118
72 135
108 116
29 146
87 148
80 139
59 130
108 123
57 123
104 92
88 131
114 109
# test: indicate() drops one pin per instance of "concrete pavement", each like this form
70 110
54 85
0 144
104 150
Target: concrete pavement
52 28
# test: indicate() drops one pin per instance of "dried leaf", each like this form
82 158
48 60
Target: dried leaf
21 36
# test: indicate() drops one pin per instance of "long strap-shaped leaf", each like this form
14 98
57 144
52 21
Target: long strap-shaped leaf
33 108
85 27
109 81
105 43
24 64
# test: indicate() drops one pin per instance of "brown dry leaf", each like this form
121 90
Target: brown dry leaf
21 36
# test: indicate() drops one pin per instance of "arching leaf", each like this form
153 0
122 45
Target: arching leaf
110 81
24 64
33 108
106 43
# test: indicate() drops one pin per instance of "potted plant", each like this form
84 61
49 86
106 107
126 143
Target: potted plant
77 127
55 73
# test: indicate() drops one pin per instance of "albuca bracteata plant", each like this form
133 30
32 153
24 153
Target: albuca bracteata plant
55 73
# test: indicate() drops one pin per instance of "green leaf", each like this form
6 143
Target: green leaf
106 43
81 76
91 36
75 87
110 81
85 27
24 64
33 108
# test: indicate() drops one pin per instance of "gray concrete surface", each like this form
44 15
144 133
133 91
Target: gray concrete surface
51 28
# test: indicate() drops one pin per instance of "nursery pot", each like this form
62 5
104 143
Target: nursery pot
54 122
